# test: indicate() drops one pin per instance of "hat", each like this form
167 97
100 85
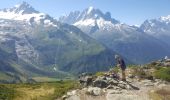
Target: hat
117 56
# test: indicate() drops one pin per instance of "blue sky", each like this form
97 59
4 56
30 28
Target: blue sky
132 12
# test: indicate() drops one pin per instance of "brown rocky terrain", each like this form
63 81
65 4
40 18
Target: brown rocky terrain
141 84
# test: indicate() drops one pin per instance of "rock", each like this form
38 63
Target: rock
95 91
74 92
113 82
104 90
115 92
73 97
85 80
128 87
146 81
85 89
158 82
131 76
123 86
89 80
114 87
64 97
100 83
150 77
167 60
161 86
101 78
108 78
122 82
149 84
110 87
167 64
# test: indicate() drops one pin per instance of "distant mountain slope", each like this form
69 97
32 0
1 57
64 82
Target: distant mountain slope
158 28
8 61
41 46
130 41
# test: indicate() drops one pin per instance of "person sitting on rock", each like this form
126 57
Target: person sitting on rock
122 65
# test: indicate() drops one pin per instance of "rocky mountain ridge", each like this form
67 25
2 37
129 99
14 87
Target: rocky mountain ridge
130 41
45 47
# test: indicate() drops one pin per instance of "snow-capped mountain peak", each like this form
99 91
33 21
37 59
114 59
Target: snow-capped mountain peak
165 18
90 9
23 8
92 18
89 13
93 13
25 12
158 28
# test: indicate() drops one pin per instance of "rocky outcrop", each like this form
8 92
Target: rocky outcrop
118 90
163 62
107 87
106 81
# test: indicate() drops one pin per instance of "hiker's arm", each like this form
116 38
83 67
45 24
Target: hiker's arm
118 63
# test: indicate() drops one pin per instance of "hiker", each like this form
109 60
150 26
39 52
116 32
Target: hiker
122 65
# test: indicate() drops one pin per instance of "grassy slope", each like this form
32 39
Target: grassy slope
38 91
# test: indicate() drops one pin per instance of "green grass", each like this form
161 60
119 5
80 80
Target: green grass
6 93
142 72
99 74
132 66
163 73
37 91
45 79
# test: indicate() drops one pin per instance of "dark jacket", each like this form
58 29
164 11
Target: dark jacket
122 63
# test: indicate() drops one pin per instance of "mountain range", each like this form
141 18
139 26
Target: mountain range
34 44
135 43
158 28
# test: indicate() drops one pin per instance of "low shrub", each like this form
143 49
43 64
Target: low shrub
6 93
163 73
99 74
142 73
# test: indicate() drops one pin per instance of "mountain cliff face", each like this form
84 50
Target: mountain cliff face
158 28
130 41
38 45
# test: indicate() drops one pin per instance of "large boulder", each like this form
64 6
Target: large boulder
86 79
100 83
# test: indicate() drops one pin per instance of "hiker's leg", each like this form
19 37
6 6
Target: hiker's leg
119 73
123 75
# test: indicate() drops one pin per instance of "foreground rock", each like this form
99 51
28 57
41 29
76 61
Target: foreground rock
141 92
110 87
163 62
